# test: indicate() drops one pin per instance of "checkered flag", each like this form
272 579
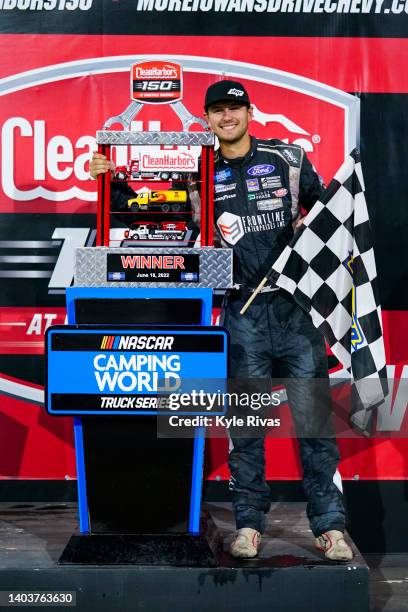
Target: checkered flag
329 268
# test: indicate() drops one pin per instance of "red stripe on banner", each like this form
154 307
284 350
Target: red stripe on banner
395 329
360 459
22 328
37 445
352 64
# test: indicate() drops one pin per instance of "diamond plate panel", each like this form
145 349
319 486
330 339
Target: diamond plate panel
215 267
123 137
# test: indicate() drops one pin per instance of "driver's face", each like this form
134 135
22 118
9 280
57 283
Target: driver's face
229 120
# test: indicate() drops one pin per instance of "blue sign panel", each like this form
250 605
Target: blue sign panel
135 370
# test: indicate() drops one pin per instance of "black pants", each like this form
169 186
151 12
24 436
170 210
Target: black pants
275 331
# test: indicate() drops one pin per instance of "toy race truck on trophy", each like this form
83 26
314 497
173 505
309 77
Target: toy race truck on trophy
133 171
156 231
165 200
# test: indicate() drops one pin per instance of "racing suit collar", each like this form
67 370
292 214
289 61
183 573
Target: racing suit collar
238 161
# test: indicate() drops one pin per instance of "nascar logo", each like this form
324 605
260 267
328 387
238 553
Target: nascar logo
110 342
130 343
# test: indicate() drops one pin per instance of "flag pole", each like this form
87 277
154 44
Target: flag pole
254 294
261 284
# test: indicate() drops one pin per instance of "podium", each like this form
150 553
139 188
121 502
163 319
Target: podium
131 480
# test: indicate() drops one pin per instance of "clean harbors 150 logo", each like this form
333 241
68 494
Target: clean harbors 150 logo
156 82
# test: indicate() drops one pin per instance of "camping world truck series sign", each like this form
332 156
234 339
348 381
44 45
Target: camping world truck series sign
132 370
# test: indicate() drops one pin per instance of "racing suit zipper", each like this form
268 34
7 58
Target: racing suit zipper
243 170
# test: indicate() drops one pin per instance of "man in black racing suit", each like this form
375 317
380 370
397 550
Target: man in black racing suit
260 187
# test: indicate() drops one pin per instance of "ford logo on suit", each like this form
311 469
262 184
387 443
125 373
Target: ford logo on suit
261 169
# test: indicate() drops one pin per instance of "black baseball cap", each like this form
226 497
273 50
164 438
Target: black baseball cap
226 90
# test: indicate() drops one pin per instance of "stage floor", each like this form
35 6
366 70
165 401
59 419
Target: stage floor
288 574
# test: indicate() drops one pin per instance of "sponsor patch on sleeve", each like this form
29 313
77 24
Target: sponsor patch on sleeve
279 193
223 175
270 204
252 184
293 155
271 182
220 188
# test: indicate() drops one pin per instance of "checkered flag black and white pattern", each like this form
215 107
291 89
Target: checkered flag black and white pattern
329 268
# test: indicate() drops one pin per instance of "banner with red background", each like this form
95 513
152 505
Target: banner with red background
325 79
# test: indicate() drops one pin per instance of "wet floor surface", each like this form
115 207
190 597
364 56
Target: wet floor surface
34 535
